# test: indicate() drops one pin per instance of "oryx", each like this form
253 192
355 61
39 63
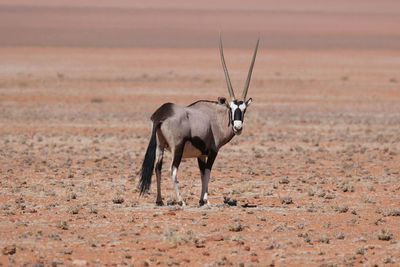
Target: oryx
198 130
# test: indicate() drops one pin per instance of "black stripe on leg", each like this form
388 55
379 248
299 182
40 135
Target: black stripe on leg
159 165
210 159
178 152
202 165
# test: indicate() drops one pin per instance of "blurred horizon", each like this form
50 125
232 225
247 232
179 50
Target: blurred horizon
290 24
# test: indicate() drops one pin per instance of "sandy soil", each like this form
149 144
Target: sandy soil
319 157
315 173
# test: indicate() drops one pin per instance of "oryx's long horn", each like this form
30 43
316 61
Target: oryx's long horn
228 81
246 86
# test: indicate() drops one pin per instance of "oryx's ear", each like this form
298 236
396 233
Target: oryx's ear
248 102
222 100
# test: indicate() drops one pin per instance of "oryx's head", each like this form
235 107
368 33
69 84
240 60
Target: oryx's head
237 106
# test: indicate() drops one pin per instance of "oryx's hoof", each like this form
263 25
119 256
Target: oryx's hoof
159 203
203 202
182 203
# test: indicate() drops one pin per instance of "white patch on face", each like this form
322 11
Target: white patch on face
238 124
242 107
232 105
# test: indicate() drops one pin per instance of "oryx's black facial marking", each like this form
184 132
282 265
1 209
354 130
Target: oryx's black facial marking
237 115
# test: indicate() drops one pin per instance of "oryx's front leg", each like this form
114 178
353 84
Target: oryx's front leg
204 190
205 170
177 157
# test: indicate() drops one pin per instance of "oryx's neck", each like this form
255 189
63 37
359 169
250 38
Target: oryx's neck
225 127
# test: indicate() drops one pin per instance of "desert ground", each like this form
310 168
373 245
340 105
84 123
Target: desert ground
313 180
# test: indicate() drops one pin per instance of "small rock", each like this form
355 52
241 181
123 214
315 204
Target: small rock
247 205
79 262
284 180
236 227
10 250
74 209
215 238
388 260
63 225
286 200
385 235
361 251
270 247
230 201
340 236
67 252
118 200
57 262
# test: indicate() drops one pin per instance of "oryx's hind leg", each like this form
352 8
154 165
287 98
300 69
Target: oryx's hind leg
205 170
160 154
176 160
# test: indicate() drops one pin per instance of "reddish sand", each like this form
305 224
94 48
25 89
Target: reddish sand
319 155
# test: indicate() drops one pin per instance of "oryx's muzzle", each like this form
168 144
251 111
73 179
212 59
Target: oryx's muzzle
237 127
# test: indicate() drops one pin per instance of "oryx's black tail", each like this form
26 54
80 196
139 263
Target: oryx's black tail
148 163
161 114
